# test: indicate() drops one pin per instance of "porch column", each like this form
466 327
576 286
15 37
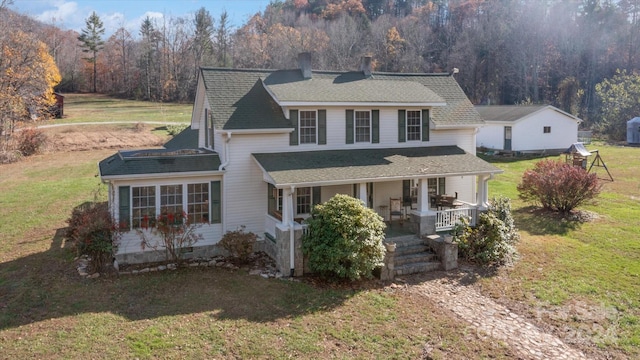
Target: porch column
423 196
287 206
423 220
362 193
483 191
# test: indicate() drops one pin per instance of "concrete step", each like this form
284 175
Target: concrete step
411 249
415 268
414 258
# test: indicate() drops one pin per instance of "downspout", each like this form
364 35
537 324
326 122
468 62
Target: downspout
292 235
227 159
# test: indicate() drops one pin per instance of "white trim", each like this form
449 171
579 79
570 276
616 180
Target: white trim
162 175
381 179
257 131
355 104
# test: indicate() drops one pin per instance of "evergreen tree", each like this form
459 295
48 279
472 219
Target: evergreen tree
92 42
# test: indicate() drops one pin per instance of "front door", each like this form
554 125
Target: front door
507 138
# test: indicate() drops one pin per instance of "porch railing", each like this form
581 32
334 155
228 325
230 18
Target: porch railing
447 219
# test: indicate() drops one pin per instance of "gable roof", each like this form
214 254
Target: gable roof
127 164
357 165
186 139
513 113
248 99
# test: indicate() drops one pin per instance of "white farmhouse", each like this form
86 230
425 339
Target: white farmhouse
265 146
535 128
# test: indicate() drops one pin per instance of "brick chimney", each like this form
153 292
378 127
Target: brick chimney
304 62
365 66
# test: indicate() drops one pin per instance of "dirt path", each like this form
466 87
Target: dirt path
488 318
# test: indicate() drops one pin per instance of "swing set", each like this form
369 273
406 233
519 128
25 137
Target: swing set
578 155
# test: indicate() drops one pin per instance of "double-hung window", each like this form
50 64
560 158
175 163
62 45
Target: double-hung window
171 200
303 200
363 126
414 125
198 203
143 209
308 127
547 130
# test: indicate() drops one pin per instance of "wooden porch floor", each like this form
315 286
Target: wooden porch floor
397 229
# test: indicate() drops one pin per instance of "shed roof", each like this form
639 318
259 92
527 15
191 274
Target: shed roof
513 113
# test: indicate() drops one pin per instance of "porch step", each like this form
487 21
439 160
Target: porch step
413 256
415 268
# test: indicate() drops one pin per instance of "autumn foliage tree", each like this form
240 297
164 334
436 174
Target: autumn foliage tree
27 77
558 186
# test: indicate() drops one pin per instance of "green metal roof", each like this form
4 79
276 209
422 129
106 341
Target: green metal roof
158 161
351 166
239 99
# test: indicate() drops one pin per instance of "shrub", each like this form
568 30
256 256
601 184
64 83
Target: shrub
9 156
239 243
30 141
94 232
174 231
493 239
558 186
344 239
174 130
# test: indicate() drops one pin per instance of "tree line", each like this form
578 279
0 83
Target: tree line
559 52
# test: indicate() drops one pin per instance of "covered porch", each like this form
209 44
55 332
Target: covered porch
415 190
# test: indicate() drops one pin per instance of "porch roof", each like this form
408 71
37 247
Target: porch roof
333 167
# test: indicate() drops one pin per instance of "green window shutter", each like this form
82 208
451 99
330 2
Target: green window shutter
425 124
442 188
402 125
216 206
315 195
375 126
322 127
293 136
406 192
206 128
124 210
349 127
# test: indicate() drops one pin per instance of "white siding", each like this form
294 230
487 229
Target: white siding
244 192
327 192
131 240
528 132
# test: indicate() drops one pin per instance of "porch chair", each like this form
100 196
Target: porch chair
395 209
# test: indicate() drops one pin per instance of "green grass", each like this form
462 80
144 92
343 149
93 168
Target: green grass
100 108
596 262
48 311
587 274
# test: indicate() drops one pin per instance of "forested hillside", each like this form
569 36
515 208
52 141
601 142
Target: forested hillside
507 51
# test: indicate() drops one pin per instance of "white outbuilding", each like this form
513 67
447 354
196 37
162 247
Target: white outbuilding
530 128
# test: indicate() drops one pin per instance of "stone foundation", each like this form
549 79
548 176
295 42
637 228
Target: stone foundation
446 250
150 256
423 225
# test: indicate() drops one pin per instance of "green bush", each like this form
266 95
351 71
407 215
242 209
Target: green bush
176 129
94 233
344 239
493 239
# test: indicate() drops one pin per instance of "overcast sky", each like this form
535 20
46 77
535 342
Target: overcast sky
130 13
